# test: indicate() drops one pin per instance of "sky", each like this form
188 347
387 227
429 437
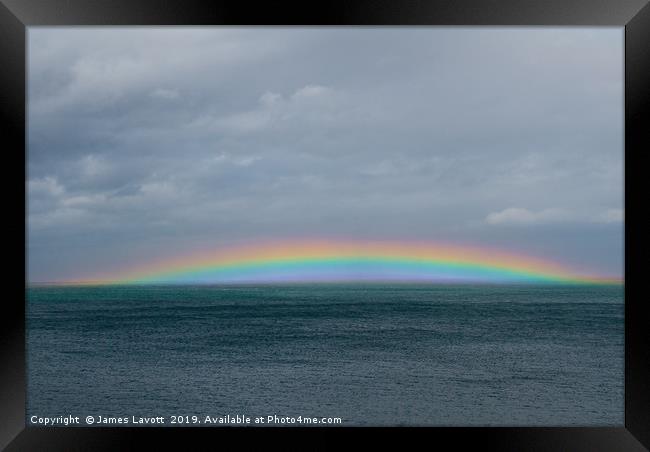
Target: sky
149 143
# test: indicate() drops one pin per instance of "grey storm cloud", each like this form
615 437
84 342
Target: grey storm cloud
149 142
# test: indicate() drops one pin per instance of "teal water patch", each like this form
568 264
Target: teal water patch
370 353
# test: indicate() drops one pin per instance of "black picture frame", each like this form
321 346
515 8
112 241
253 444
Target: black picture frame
16 15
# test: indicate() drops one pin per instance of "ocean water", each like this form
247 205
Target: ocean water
369 354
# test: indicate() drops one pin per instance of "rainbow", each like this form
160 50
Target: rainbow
348 260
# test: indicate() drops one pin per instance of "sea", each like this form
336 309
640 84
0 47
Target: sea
365 354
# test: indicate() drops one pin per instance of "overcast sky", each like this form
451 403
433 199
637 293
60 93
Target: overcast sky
154 142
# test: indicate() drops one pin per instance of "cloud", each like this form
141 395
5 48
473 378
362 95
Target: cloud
92 166
520 216
166 94
45 186
611 216
311 104
60 217
311 92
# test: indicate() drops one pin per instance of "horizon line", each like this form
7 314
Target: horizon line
441 282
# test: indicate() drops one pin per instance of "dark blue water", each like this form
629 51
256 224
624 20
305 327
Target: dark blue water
369 354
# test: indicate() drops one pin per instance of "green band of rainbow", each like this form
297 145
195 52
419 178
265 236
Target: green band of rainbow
327 260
